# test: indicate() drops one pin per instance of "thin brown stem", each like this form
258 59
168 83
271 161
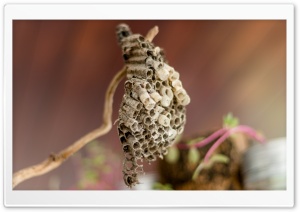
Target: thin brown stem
53 161
151 34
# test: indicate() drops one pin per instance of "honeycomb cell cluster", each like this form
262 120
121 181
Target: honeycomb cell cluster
152 112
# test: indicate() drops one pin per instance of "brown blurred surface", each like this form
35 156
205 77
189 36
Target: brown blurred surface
61 70
220 176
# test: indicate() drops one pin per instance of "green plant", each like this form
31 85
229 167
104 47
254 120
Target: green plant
230 127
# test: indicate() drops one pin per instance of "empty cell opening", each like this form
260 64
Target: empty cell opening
156 153
126 148
141 38
136 145
150 157
138 153
149 73
172 112
158 139
125 33
177 121
122 127
120 132
165 83
152 112
168 115
147 100
146 151
151 126
169 92
131 94
148 86
151 143
125 56
147 120
166 129
165 136
157 85
175 101
135 113
129 180
180 107
123 139
137 135
134 126
161 130
127 134
180 129
153 149
166 144
128 84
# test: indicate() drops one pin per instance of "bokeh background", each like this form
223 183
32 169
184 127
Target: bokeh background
61 69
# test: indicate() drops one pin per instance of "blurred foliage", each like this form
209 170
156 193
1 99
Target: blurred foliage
229 121
216 158
173 155
195 140
159 186
193 155
97 167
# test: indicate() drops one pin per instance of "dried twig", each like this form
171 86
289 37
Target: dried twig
151 34
53 161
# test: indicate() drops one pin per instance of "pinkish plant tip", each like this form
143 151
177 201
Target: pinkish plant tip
203 142
241 128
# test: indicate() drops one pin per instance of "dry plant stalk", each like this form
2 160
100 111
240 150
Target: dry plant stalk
55 160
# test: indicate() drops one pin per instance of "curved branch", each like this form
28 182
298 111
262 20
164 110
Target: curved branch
53 161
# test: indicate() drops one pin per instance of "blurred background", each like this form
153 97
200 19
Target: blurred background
61 70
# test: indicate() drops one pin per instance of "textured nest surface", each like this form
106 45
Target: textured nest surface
152 112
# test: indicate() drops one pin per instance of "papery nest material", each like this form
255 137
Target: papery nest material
152 113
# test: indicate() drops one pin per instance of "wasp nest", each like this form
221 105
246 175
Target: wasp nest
152 112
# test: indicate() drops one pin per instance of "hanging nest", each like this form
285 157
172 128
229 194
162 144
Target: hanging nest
152 112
